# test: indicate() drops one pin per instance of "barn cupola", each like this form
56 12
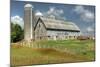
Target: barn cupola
52 16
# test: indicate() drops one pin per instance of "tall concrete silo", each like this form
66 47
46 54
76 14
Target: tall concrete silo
28 22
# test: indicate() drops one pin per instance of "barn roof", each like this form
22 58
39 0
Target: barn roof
51 23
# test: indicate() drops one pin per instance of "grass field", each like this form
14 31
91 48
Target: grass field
78 51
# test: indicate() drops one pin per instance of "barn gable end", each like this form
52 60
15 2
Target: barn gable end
40 30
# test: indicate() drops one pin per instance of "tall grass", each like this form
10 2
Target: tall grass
76 51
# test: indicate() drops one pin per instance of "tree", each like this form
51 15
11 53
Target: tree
16 33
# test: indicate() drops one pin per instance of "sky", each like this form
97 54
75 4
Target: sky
82 15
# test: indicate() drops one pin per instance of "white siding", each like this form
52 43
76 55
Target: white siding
62 34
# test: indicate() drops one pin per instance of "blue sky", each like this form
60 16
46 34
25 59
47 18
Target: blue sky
82 15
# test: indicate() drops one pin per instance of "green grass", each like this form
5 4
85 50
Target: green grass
78 51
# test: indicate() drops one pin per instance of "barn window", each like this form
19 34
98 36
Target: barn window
66 33
49 36
40 38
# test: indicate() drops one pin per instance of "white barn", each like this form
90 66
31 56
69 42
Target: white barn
38 27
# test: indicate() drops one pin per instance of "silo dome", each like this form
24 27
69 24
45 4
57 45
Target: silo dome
28 5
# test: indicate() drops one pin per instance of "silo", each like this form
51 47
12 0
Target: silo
28 19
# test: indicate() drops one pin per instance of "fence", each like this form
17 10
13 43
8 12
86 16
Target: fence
58 47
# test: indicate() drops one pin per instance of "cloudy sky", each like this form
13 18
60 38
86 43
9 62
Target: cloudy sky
82 15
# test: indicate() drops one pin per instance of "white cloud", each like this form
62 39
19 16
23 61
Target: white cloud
17 20
55 13
79 9
85 14
52 12
90 29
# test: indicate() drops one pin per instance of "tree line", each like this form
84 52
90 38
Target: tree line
17 33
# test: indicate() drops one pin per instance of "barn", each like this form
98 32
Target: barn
39 27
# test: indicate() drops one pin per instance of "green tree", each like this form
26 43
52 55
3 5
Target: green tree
16 33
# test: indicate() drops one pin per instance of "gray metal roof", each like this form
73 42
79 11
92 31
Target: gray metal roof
59 24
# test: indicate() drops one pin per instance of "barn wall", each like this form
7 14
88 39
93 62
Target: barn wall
61 35
40 31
